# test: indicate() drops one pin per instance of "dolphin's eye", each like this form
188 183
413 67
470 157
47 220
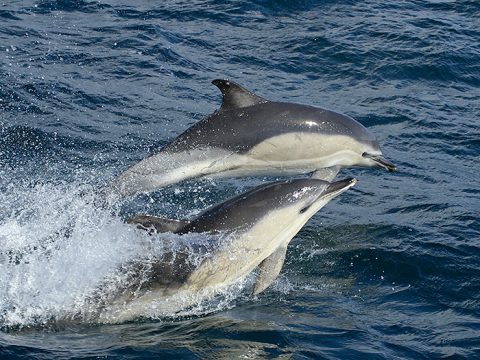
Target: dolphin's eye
304 209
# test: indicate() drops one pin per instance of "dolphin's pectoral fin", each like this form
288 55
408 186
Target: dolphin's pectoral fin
269 269
234 96
159 225
327 174
217 162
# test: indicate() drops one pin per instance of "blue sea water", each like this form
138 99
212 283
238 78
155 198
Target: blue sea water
388 271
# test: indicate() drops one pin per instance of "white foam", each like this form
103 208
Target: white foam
57 248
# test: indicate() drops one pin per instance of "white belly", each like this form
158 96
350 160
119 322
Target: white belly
287 154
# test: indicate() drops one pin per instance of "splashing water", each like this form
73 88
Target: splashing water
64 258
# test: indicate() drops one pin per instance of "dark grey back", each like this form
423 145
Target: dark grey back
240 129
244 210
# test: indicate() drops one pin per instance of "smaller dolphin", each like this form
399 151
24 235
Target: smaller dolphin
250 135
256 228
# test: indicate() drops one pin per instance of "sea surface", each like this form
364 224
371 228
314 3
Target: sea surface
388 270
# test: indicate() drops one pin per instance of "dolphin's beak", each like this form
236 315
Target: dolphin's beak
380 161
333 189
337 187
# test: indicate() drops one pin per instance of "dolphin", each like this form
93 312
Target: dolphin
256 228
250 135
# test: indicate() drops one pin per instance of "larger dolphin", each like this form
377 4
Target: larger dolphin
256 228
250 135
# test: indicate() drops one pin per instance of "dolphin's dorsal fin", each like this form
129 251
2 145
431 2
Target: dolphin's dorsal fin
159 225
269 269
235 96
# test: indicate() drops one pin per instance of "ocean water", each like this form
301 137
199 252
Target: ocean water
389 270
